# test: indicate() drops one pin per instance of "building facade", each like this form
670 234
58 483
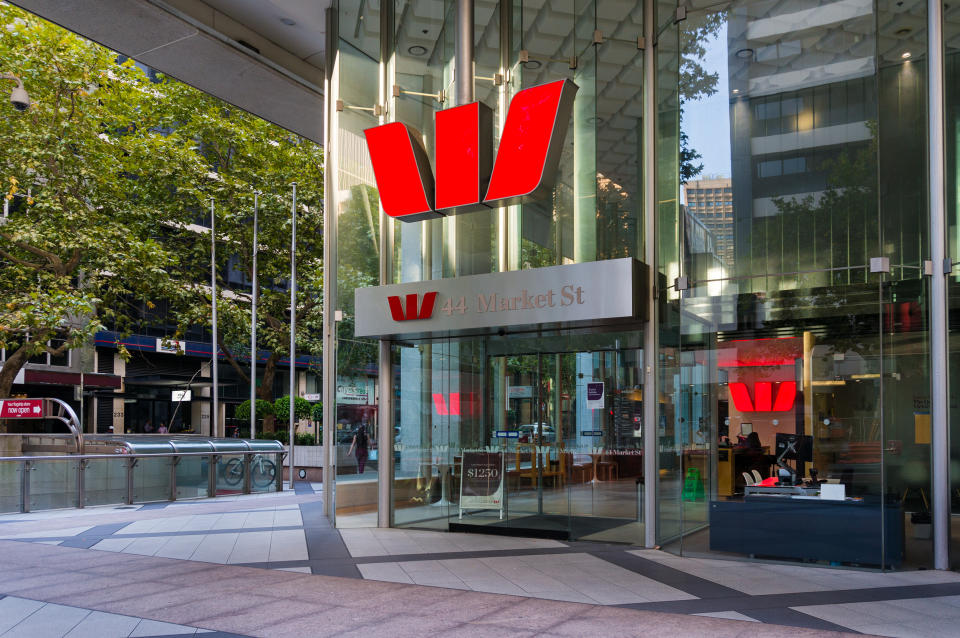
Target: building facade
796 333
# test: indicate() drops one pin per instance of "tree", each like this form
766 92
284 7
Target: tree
241 153
85 169
119 167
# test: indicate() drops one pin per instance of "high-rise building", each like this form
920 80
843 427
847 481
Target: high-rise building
711 201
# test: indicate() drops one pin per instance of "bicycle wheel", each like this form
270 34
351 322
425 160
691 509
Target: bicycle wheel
233 472
264 473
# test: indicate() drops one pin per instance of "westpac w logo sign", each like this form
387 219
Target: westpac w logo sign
467 176
410 312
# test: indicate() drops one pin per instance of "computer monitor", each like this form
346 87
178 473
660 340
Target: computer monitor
802 447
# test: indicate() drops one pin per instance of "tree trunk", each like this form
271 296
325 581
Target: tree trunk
265 391
11 367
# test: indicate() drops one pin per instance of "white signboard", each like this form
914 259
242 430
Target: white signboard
481 481
576 294
178 396
171 346
355 391
311 397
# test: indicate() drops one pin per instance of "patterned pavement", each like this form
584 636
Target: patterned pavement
286 539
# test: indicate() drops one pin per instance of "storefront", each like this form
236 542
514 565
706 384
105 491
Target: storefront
758 379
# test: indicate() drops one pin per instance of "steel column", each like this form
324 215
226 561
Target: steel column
384 363
215 408
331 90
939 406
650 342
463 50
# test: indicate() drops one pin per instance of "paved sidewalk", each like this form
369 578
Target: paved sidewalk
272 565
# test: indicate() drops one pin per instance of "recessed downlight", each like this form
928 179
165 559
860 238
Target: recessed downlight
416 49
288 22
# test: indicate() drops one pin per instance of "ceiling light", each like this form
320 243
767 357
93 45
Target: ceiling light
532 65
736 91
417 50
906 55
288 22
744 54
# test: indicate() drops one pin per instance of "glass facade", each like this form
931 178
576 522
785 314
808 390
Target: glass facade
786 362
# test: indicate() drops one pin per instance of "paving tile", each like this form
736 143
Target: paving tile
49 620
264 615
13 610
157 628
102 625
288 545
729 615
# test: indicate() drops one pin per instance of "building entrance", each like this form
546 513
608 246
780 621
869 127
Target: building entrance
532 437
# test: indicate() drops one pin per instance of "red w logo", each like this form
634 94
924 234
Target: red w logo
400 314
526 159
763 396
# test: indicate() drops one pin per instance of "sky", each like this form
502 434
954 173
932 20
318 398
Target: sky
707 121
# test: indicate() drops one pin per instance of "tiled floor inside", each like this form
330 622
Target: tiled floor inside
289 533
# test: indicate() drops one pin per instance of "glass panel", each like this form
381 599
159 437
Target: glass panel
53 485
192 477
230 474
10 486
793 365
105 481
951 34
263 472
151 480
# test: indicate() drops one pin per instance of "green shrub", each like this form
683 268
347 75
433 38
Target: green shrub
317 414
279 435
301 408
264 409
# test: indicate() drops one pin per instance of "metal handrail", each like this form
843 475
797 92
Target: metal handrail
28 464
73 457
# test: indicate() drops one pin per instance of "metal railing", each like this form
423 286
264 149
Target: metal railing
33 483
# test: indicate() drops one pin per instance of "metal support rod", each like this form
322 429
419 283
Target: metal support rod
939 406
25 470
174 462
293 329
215 407
131 463
650 355
212 475
81 487
253 322
463 64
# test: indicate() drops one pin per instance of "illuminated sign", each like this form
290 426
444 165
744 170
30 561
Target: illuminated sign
467 176
763 399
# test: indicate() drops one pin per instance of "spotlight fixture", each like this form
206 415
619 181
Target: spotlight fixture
416 49
736 91
906 55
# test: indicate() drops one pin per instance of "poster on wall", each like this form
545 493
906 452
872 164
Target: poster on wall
595 395
481 481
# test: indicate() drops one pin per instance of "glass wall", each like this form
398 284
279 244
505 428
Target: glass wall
799 356
791 310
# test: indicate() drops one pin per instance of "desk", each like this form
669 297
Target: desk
811 529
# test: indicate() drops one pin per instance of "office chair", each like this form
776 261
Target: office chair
749 479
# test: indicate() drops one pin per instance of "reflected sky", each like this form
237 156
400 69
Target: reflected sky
707 121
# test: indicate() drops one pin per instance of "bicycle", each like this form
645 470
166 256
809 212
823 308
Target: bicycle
263 472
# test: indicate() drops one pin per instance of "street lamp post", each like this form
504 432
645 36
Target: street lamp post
293 329
253 324
215 414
